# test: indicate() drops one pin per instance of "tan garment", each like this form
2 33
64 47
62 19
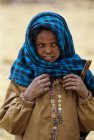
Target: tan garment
32 120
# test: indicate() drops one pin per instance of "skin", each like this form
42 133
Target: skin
75 83
39 86
48 49
47 46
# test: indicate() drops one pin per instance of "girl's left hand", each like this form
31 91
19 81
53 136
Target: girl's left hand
74 82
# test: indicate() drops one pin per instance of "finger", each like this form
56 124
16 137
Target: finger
43 90
45 80
70 76
47 84
70 88
43 76
46 89
70 84
69 80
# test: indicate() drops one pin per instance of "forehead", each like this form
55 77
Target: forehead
46 35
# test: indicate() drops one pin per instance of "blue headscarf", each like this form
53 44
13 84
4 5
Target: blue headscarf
29 65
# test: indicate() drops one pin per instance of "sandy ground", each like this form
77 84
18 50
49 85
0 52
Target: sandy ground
13 22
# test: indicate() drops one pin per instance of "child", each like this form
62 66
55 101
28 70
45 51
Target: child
46 98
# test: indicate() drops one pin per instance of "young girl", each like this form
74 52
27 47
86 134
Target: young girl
46 98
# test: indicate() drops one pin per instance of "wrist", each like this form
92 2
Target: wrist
86 95
25 102
28 97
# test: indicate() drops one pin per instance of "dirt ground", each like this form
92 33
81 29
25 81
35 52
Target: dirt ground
14 19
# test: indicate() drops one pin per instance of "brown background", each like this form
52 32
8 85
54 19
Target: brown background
14 18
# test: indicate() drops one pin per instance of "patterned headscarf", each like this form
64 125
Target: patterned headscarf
29 65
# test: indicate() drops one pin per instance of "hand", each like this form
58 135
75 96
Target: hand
74 82
39 86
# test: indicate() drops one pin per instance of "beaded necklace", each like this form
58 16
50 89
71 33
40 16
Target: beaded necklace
56 113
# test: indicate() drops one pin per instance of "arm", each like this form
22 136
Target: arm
86 112
15 112
18 105
85 102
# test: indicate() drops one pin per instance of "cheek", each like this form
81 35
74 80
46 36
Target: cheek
58 52
39 51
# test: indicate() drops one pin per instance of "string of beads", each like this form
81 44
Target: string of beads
56 112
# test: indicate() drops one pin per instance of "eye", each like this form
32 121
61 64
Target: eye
54 44
40 45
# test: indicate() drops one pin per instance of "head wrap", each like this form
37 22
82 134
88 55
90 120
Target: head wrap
29 65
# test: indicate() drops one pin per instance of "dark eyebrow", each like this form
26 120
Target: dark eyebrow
40 43
54 42
43 43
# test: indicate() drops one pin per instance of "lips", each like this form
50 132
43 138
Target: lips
48 58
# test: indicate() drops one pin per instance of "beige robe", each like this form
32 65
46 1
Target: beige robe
32 120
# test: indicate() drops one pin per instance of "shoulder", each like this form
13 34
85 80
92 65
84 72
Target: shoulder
14 88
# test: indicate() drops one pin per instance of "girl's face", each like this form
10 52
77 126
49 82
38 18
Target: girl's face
47 45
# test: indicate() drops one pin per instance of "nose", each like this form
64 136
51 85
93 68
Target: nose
48 49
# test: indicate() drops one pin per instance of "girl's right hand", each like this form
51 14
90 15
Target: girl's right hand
39 86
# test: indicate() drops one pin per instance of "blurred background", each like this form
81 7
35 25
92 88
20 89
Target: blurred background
14 18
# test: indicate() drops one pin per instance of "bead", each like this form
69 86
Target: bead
53 105
52 91
52 101
60 121
59 96
55 122
53 109
59 109
53 132
59 116
53 115
54 128
59 100
59 105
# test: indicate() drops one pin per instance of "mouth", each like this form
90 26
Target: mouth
48 58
